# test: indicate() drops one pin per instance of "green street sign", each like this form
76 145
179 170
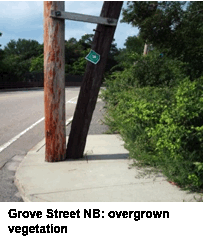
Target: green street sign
93 57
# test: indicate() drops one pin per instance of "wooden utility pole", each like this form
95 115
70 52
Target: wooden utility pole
54 83
91 82
145 49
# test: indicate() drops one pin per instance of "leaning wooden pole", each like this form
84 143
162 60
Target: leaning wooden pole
91 82
54 83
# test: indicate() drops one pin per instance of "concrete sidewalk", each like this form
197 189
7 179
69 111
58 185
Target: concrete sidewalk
103 175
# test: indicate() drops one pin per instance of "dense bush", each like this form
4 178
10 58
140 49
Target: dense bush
150 70
156 101
15 66
179 134
161 126
37 64
180 130
156 69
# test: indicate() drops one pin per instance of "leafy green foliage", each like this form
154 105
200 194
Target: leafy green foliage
86 41
79 66
180 130
23 56
161 126
27 55
2 65
25 49
135 44
17 57
154 70
173 27
76 51
125 57
37 64
156 20
72 51
196 178
150 70
16 66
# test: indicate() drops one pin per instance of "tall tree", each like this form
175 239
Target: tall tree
135 44
76 51
25 49
126 56
2 65
175 27
37 64
86 41
157 21
72 51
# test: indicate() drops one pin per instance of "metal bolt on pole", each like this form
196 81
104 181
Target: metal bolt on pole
54 83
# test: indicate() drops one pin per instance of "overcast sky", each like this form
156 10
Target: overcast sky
24 19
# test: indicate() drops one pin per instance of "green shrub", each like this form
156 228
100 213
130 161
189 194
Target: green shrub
37 64
161 126
179 135
137 110
196 178
154 70
142 71
16 66
180 129
117 82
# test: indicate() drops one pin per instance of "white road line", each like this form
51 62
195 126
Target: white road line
4 146
74 102
71 101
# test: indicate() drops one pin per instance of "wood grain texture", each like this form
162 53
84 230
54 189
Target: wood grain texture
54 83
85 18
91 82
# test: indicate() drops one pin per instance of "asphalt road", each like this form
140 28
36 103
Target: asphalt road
22 127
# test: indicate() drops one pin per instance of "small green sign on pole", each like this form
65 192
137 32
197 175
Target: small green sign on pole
93 57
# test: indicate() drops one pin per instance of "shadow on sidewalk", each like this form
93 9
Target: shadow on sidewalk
107 156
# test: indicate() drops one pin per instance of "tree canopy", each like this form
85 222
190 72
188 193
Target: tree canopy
173 27
22 56
24 48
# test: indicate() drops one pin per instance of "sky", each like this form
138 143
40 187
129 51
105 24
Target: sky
24 19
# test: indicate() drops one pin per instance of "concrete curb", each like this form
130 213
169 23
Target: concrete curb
21 190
